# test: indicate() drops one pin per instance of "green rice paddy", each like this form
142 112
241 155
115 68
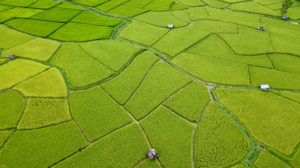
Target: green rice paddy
97 83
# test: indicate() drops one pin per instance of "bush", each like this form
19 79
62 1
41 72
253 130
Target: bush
285 5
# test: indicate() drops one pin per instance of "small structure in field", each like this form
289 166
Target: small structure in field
152 154
265 87
284 17
170 26
11 57
261 28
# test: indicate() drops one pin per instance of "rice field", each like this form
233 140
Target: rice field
97 83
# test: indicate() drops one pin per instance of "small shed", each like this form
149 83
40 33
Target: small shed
264 87
284 17
152 154
170 26
11 57
261 28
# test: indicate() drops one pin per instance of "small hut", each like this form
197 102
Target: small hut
152 154
170 26
265 87
261 28
11 57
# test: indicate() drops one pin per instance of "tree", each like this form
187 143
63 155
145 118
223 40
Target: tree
285 5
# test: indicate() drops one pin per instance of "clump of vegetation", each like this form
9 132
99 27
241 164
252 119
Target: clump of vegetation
285 5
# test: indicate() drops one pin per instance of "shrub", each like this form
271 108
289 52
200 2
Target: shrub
285 5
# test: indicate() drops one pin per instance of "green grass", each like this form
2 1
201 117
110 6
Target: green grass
80 68
171 136
12 105
46 84
190 101
110 5
160 82
94 80
192 3
217 26
126 11
56 14
275 6
218 141
289 95
137 3
182 15
96 113
270 119
217 3
70 6
265 160
238 166
197 13
249 41
179 39
281 28
19 70
82 32
4 7
42 147
128 142
162 19
159 5
175 6
234 17
213 69
89 2
143 33
121 87
254 7
149 164
94 19
34 27
4 135
285 43
233 1
114 54
276 79
38 49
296 159
208 47
45 4
18 12
287 63
17 2
10 38
3 61
294 12
266 2
40 112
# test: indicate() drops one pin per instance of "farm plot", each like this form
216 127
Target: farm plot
97 83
